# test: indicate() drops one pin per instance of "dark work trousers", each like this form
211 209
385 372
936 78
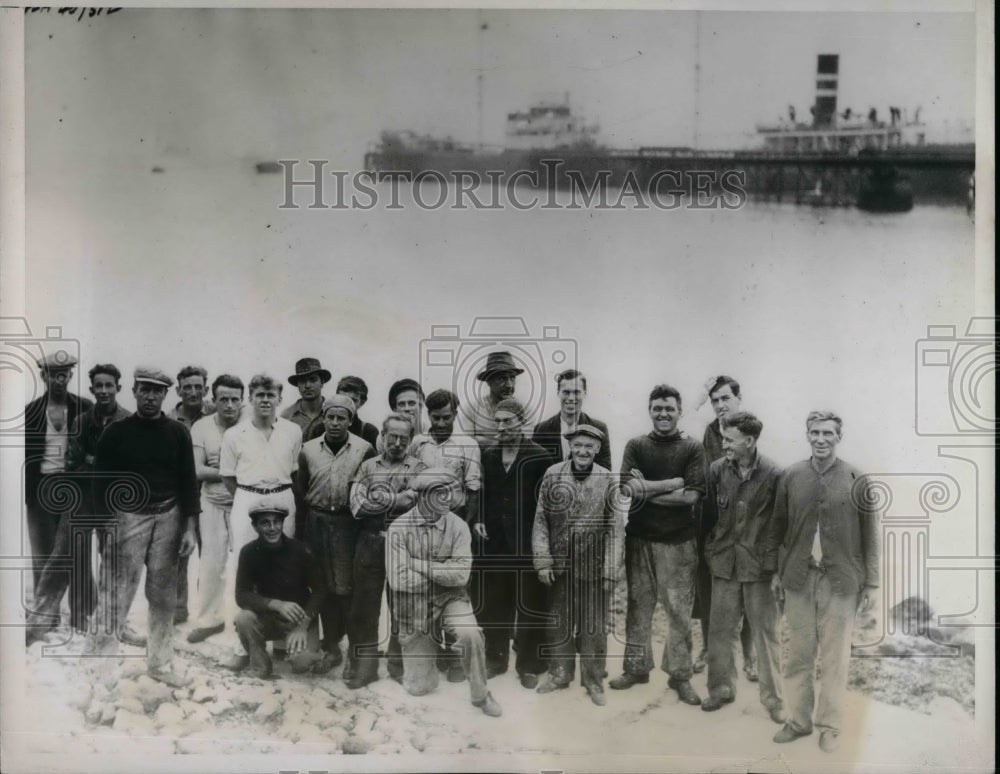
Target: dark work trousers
70 566
580 606
366 604
511 602
43 525
333 538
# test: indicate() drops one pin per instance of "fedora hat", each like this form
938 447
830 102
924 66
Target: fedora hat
307 366
498 363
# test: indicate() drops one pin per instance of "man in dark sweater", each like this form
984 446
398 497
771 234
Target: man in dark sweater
279 589
664 474
147 482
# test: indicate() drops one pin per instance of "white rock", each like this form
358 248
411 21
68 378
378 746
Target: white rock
93 713
336 736
219 707
268 709
131 723
202 694
108 712
131 704
180 694
364 721
169 715
356 745
82 699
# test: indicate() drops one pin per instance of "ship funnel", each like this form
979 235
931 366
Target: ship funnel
825 109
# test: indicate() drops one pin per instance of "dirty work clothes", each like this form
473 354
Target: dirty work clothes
820 623
832 502
513 604
366 603
255 630
730 600
139 539
665 573
428 567
580 607
333 538
288 572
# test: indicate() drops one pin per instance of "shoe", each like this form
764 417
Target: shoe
529 680
262 674
750 670
685 692
494 670
237 663
829 741
167 677
456 673
202 633
712 703
489 706
130 636
551 684
360 681
700 663
777 715
596 694
627 680
327 662
788 733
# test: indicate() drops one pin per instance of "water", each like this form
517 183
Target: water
808 308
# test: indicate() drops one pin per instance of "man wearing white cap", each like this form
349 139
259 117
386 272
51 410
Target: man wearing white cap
258 457
327 466
151 487
47 423
428 557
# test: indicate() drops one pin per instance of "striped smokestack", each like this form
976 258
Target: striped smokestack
827 67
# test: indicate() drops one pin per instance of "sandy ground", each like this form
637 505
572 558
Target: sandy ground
222 714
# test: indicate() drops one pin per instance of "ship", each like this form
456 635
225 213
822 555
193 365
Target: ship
837 158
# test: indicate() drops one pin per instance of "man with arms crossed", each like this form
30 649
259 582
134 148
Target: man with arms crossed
157 450
664 474
216 506
742 553
828 570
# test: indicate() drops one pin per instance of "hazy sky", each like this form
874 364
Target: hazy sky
213 84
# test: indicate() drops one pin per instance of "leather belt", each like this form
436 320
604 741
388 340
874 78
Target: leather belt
262 490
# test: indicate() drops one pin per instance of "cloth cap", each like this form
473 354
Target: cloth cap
56 361
261 507
590 430
432 477
498 363
402 386
513 405
306 367
152 376
342 402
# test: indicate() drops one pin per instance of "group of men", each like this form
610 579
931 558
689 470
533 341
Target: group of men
477 540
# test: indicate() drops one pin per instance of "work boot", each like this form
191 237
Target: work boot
237 662
167 677
489 706
552 683
712 703
789 733
829 741
596 694
130 636
684 691
202 633
528 680
627 680
750 670
327 662
777 715
700 663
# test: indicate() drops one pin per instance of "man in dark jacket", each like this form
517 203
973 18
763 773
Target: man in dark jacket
551 434
742 553
47 428
512 472
828 571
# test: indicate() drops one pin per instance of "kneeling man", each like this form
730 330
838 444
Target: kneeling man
279 590
428 556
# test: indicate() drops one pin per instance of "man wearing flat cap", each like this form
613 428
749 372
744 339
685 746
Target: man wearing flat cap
279 590
307 411
428 558
327 466
155 518
575 546
500 374
47 423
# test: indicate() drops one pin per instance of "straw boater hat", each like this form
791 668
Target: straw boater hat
498 363
306 367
